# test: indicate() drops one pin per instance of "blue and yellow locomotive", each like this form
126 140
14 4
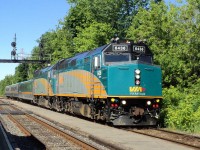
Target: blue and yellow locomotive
117 83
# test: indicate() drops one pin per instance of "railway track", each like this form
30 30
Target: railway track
176 137
180 138
17 139
42 131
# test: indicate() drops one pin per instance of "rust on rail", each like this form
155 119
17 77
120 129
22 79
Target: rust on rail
26 132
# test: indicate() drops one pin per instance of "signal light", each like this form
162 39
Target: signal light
13 44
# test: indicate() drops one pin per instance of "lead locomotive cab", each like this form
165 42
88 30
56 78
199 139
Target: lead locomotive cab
132 83
127 51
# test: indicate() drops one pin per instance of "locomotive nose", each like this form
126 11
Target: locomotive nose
134 80
119 79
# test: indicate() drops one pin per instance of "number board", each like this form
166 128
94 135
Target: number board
120 48
139 49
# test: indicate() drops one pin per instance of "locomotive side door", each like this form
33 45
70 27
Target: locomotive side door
53 80
96 74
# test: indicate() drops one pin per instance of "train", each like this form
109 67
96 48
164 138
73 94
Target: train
117 83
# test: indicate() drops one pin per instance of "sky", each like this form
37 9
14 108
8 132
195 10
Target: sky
29 19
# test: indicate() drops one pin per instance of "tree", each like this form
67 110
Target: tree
95 35
21 72
8 80
62 44
173 35
116 13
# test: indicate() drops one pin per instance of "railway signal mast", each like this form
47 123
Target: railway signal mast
37 58
13 52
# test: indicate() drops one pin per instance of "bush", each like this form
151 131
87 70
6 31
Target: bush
181 108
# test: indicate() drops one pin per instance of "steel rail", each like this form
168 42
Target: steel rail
82 144
24 130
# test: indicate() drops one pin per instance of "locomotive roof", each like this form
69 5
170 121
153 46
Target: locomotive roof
46 69
79 56
97 50
26 81
87 53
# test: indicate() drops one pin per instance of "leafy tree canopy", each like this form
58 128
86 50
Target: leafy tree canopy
173 35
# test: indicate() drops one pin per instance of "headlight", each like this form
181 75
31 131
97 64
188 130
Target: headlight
123 102
148 102
137 71
137 76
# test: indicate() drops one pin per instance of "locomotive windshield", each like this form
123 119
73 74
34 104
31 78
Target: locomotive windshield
116 57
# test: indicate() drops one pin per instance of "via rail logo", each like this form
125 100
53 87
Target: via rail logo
137 90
